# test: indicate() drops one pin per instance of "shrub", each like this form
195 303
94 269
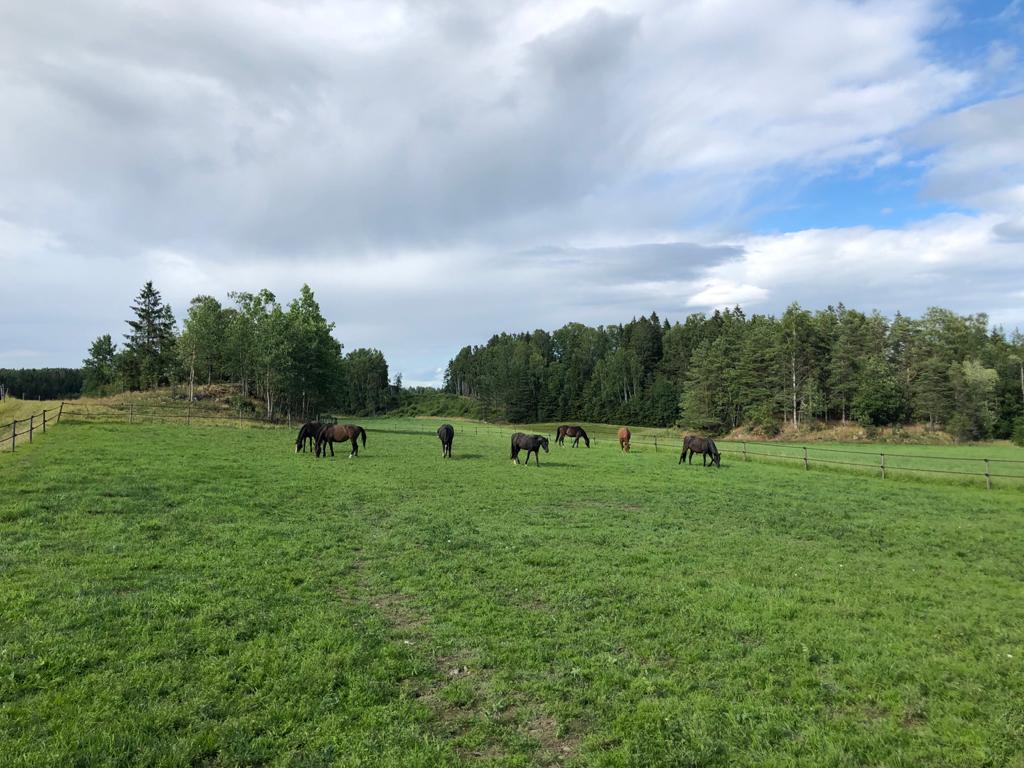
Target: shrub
1017 436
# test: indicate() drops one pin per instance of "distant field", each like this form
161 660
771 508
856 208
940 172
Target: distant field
963 464
204 596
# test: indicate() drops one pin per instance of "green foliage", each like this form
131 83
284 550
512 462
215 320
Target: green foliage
148 359
1018 432
41 383
99 370
204 596
287 359
716 372
365 377
878 399
427 401
974 389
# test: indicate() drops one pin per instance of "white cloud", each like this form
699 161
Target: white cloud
440 171
956 261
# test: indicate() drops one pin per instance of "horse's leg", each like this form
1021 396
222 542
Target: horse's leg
330 443
704 459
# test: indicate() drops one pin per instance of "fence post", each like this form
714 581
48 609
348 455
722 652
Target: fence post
289 418
655 445
239 417
14 434
988 476
60 412
882 465
131 413
44 421
188 415
745 452
31 426
806 464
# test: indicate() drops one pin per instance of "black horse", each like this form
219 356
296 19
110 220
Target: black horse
307 433
565 431
339 433
705 446
530 444
446 433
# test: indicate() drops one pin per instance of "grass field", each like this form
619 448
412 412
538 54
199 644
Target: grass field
204 596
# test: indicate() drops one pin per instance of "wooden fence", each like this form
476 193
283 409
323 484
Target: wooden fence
36 422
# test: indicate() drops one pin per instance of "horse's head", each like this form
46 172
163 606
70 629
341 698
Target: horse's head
544 444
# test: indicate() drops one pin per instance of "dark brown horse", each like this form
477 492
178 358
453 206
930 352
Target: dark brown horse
624 436
307 433
705 446
339 433
530 444
565 431
446 433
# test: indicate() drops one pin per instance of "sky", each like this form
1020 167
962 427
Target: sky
440 171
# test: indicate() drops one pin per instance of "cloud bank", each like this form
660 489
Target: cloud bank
439 172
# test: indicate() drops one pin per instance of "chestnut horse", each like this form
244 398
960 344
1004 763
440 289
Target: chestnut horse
307 434
339 433
530 444
624 436
565 431
446 433
704 446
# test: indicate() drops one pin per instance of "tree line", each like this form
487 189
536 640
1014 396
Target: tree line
40 383
726 370
285 357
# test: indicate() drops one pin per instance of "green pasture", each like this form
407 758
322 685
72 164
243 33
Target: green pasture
203 596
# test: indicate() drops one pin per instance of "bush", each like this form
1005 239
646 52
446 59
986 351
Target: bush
961 427
762 419
1017 436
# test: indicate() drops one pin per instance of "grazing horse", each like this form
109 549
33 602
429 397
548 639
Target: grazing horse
307 433
624 436
339 433
565 431
705 446
446 433
530 444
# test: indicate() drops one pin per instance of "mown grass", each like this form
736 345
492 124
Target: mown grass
204 596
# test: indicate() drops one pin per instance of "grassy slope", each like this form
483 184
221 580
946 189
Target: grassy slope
13 408
183 596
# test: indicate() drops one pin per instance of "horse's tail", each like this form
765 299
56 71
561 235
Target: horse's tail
512 450
363 433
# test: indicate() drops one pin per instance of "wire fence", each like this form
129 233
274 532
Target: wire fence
882 464
36 422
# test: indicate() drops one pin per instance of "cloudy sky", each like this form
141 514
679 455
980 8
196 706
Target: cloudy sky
439 170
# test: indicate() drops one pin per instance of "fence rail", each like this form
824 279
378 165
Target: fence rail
882 464
36 422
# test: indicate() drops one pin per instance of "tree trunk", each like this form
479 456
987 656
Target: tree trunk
192 378
792 368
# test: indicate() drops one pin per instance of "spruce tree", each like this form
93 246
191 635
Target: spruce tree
150 344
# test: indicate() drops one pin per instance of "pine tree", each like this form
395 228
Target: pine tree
150 345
